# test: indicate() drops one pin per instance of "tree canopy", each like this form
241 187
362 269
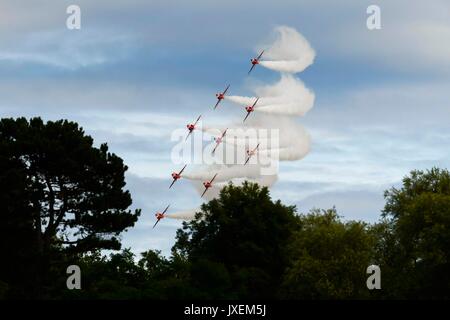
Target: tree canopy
328 258
57 193
415 242
239 242
243 242
62 202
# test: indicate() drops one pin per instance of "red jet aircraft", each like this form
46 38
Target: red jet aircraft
208 184
176 176
160 215
250 153
250 109
220 96
219 140
191 127
255 61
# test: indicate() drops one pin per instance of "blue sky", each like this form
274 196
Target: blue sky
139 69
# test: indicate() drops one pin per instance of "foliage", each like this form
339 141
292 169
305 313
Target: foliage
62 202
57 193
239 242
416 244
329 258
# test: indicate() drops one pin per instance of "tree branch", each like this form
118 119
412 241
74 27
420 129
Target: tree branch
53 224
51 203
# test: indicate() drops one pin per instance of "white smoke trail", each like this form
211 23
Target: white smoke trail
241 176
289 96
290 53
225 173
297 149
183 215
277 105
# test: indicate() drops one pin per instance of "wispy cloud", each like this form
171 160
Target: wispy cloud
68 50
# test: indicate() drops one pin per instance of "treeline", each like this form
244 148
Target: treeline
245 246
62 202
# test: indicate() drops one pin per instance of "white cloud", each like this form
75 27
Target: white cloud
67 49
352 205
403 106
415 37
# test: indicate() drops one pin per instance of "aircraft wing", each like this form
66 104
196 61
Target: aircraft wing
253 65
224 133
213 178
182 169
197 119
214 150
254 104
260 55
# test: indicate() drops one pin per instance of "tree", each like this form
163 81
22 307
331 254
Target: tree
59 193
416 243
236 246
328 258
120 276
115 277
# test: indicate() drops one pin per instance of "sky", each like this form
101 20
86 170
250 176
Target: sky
138 70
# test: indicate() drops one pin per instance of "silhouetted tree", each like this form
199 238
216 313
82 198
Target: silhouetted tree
236 247
328 258
62 202
414 247
58 194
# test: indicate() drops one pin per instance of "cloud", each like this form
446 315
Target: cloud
421 103
352 205
365 140
410 38
68 49
410 41
110 98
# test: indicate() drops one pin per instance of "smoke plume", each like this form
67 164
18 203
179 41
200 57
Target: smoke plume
289 96
273 126
290 53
